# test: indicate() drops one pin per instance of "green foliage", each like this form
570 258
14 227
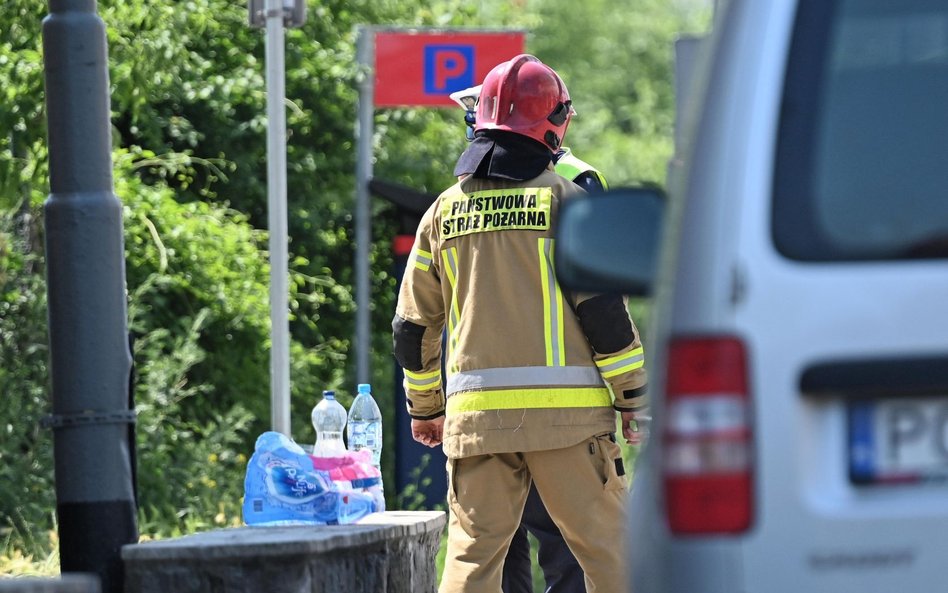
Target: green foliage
22 120
198 261
412 497
619 70
198 284
27 501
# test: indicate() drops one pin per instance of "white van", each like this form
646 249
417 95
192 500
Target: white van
798 352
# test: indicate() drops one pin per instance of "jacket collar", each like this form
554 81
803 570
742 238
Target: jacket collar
497 154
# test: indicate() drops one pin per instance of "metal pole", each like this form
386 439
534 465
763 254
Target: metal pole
88 334
364 133
276 204
687 52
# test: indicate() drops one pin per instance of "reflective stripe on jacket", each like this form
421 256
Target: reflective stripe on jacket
520 372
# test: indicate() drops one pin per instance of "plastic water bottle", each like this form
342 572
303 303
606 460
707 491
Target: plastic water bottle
365 431
355 505
365 424
329 420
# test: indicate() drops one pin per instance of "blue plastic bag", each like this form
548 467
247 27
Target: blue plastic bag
283 488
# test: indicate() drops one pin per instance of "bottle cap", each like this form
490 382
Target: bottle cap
365 388
329 394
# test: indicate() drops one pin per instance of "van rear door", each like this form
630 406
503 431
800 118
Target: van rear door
845 314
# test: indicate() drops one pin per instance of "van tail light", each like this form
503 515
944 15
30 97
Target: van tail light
707 437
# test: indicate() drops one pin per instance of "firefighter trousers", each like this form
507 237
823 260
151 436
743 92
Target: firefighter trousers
584 490
561 572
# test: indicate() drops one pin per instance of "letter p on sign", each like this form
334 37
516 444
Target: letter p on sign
448 68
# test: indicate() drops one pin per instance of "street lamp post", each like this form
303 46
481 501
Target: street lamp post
90 361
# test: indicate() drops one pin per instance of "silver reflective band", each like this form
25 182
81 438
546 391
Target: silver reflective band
524 377
624 362
450 257
423 384
422 260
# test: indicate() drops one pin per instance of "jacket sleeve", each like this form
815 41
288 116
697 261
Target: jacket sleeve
418 324
617 349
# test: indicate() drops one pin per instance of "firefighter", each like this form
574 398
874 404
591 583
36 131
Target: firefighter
561 572
530 370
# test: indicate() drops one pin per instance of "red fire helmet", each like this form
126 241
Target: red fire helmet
527 97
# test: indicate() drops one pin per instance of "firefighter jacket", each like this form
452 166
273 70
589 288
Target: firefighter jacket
527 367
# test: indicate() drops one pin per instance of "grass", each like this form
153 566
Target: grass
13 562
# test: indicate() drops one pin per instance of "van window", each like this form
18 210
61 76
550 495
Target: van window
862 149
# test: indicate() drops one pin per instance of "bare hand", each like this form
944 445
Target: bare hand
428 432
635 426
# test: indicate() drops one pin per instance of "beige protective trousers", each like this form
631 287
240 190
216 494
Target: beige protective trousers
582 490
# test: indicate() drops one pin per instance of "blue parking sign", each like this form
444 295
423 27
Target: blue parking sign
448 68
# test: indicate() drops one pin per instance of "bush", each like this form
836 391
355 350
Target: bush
197 277
27 498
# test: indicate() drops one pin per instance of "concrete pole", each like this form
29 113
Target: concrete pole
88 335
276 213
363 212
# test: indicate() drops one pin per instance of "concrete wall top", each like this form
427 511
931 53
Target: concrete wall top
257 542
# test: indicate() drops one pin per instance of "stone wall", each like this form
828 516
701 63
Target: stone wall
391 552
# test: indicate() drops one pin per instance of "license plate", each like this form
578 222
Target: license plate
894 441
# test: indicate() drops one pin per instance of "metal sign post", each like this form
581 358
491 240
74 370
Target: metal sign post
365 50
276 14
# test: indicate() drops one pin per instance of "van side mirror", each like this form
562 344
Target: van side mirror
609 242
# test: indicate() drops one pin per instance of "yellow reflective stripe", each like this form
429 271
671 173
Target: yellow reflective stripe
625 369
423 381
421 376
554 334
511 399
558 304
422 260
622 363
450 258
620 357
567 169
547 333
571 167
602 179
560 317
